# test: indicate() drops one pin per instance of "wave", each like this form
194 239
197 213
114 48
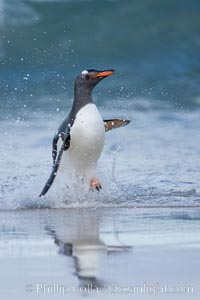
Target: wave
52 41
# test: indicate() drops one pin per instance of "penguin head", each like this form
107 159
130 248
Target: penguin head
88 79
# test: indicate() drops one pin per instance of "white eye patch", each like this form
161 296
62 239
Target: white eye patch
84 72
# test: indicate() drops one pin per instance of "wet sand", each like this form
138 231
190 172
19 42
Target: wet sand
146 253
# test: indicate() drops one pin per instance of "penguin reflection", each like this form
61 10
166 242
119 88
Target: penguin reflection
80 239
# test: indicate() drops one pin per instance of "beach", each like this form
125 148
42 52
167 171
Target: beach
102 253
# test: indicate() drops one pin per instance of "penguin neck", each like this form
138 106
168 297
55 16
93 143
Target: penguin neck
82 97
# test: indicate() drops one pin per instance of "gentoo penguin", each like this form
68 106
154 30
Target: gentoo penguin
82 132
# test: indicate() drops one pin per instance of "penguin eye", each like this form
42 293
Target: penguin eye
87 76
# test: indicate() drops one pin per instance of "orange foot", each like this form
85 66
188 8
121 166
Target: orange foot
95 184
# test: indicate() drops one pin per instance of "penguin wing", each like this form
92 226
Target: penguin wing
65 146
63 130
63 133
115 123
53 174
54 146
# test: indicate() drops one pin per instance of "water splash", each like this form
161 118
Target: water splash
140 166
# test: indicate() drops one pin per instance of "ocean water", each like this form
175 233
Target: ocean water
153 161
143 227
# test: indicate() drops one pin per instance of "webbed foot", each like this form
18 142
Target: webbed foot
95 184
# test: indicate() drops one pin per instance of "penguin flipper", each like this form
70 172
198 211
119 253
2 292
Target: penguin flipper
115 123
54 146
65 146
63 130
57 136
53 173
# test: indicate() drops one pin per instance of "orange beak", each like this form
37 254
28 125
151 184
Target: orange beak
104 74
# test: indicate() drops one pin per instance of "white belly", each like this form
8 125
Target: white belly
87 141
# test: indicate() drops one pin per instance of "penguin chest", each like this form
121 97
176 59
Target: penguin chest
87 136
